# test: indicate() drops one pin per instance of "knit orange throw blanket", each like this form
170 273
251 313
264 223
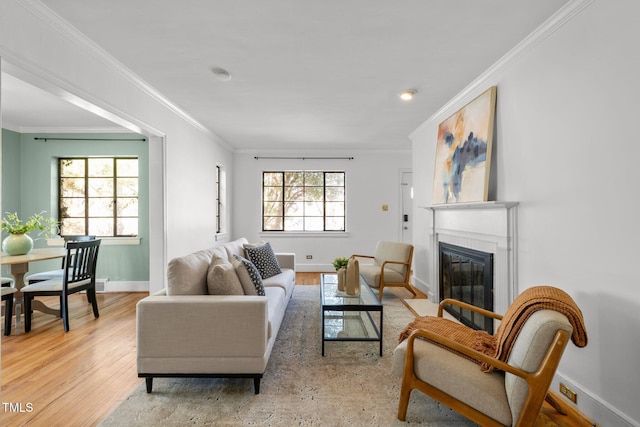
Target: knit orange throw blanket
499 345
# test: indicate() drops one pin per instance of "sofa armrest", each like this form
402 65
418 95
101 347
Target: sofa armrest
286 260
202 326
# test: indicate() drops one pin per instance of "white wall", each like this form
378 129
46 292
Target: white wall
372 179
566 149
39 48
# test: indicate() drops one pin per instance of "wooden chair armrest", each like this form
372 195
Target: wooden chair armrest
394 262
362 256
449 301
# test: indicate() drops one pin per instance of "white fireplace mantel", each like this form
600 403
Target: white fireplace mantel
474 205
485 226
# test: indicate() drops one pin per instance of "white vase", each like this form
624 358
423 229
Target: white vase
17 244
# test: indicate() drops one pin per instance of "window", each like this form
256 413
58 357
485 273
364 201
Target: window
218 202
303 201
98 196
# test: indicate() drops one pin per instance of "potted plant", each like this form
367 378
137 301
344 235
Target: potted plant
340 264
18 242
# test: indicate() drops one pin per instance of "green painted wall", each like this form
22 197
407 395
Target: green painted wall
29 185
10 171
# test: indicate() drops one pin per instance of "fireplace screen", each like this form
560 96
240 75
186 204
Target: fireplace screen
467 275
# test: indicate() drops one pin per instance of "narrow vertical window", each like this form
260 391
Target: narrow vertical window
218 202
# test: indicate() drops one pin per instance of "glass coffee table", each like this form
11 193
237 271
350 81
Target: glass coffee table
349 317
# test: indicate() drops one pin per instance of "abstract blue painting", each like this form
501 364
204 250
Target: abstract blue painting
463 152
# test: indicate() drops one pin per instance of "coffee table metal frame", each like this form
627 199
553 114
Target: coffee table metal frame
349 317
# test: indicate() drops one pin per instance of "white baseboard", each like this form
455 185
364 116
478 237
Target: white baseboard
601 413
121 286
315 268
422 287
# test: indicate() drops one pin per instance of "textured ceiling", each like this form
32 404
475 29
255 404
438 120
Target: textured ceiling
307 74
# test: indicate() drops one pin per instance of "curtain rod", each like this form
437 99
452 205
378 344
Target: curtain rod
304 158
90 139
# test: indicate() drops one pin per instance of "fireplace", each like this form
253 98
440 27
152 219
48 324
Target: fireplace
467 275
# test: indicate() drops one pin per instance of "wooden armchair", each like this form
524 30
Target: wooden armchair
391 266
510 394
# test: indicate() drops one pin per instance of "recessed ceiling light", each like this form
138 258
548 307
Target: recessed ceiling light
221 74
408 94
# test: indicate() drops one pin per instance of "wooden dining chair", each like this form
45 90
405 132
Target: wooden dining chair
7 296
78 275
56 274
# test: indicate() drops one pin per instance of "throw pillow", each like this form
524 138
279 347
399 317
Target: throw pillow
222 278
249 276
253 245
264 259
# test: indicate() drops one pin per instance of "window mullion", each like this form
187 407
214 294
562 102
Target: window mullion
282 199
324 201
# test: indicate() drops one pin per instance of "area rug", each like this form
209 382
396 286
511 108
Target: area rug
350 386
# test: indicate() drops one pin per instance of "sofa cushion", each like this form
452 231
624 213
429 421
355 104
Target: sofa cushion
263 257
276 306
285 280
235 248
187 275
222 278
249 276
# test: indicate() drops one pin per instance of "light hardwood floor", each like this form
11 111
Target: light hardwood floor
52 378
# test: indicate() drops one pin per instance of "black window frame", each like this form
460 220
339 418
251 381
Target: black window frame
283 216
115 216
218 200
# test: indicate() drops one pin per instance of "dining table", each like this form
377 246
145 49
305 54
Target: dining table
18 267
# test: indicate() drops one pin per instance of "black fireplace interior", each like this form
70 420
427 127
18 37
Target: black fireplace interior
467 275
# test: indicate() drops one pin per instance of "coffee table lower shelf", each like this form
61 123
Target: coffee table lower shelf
349 318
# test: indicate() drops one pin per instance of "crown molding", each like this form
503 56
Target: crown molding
487 78
65 129
57 23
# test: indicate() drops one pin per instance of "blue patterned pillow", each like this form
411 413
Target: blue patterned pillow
264 259
252 274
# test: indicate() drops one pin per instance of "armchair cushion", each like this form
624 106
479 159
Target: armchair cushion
529 349
371 274
393 251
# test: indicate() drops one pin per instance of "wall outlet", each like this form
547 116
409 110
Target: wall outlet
568 393
309 256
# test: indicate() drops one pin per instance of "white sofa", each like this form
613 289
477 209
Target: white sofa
185 332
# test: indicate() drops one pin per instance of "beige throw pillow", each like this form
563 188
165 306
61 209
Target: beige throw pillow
222 278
